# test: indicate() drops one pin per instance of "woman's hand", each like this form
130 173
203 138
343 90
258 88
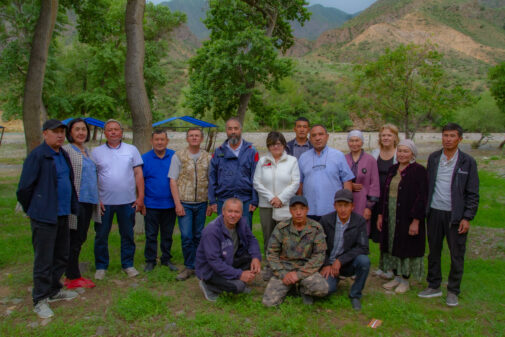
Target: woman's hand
276 202
379 222
367 214
414 227
357 187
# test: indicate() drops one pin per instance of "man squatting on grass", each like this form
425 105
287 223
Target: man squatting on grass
48 197
228 256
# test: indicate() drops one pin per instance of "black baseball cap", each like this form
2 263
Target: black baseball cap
298 199
343 195
52 124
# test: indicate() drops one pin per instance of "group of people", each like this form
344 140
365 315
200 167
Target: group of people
318 209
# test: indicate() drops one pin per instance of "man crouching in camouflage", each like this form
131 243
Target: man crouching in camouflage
295 253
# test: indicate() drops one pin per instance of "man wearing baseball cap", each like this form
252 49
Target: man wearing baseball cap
347 241
48 196
296 253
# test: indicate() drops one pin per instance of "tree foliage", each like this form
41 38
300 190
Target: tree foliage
408 86
242 52
497 84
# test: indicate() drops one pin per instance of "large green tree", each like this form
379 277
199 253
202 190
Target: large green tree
408 86
242 52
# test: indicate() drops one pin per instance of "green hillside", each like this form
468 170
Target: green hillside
322 19
195 12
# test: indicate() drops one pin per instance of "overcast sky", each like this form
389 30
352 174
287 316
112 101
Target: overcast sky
349 6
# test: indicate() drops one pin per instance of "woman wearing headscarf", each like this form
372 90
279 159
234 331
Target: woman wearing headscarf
276 180
86 186
365 185
386 157
401 219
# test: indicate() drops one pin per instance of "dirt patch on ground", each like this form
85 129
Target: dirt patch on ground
15 125
486 243
415 28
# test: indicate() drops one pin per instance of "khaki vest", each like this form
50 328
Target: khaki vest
193 181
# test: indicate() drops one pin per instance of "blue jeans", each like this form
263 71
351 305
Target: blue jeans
360 267
126 220
162 221
191 226
245 210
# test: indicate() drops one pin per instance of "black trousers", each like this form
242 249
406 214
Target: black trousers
77 239
219 284
162 220
439 226
50 247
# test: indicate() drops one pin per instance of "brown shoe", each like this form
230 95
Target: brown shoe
185 274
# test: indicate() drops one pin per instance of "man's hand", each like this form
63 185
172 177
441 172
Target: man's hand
139 206
213 207
357 187
335 268
255 266
179 210
102 208
252 208
209 210
276 202
326 272
290 278
414 227
247 276
379 222
464 226
367 214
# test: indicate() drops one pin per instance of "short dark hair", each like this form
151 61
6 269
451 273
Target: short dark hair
274 137
453 127
302 119
193 129
159 132
320 125
71 125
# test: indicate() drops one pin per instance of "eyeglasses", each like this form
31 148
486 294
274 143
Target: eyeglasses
319 167
276 145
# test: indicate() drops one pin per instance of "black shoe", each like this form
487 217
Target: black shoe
307 299
356 304
169 265
149 267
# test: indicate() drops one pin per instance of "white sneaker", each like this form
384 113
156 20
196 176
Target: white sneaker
403 287
131 271
387 275
43 310
100 274
66 295
392 284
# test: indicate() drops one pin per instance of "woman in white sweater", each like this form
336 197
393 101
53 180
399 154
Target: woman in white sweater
276 180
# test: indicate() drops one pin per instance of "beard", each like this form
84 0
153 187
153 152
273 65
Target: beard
234 140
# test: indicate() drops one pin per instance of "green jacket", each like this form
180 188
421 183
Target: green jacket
290 250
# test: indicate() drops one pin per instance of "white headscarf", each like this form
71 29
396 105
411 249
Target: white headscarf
355 133
410 144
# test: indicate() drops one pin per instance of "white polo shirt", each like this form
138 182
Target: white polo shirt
116 179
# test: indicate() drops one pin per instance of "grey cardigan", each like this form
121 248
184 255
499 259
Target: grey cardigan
76 161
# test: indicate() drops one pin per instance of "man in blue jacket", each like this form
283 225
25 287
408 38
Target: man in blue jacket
48 196
228 255
453 199
231 172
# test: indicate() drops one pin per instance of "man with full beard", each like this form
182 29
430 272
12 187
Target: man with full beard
231 172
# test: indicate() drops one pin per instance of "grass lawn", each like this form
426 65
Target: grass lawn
157 305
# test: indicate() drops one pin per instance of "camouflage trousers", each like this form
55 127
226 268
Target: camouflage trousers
276 291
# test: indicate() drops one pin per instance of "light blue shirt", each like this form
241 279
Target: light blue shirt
236 152
322 176
338 242
442 193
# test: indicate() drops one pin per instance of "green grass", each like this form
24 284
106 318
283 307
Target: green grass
157 305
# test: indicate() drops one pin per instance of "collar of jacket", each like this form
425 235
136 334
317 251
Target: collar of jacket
309 226
270 158
227 152
48 151
352 220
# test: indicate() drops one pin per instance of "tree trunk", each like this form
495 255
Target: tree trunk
242 107
135 88
134 75
34 112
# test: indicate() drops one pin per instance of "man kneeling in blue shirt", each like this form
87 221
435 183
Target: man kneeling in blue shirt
228 256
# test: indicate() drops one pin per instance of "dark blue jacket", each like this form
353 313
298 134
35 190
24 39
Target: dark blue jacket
464 186
215 251
37 190
232 177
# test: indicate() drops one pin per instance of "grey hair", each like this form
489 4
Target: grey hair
235 119
233 201
113 121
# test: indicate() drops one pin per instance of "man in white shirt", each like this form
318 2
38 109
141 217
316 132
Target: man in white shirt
121 192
